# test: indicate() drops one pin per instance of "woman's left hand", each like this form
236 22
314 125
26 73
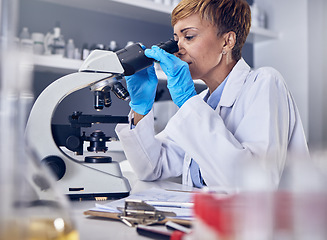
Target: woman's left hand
180 82
142 87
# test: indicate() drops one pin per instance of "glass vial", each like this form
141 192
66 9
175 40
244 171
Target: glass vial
30 206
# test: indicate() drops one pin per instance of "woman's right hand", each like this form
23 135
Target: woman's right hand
142 87
179 80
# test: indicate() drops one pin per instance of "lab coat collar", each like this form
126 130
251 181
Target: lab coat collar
234 84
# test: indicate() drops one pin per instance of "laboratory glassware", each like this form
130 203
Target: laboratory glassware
31 207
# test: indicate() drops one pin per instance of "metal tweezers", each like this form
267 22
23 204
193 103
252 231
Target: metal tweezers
138 212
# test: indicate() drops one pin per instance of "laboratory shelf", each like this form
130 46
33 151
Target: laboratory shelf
61 65
148 11
144 10
257 35
147 4
64 65
56 64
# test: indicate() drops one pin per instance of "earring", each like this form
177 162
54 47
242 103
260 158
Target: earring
223 52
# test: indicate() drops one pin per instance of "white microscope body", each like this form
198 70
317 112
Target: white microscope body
80 179
100 71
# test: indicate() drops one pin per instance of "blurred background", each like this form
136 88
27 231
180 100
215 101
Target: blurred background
287 35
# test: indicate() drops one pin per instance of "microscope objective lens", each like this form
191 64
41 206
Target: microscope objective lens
99 100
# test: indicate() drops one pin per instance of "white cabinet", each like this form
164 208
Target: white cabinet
145 10
64 65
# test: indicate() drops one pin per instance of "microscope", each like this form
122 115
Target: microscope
94 176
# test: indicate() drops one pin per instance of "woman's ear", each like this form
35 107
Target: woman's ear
230 40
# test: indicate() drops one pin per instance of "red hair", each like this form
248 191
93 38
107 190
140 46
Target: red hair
226 15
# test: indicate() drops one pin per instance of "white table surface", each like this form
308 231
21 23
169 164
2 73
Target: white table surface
94 228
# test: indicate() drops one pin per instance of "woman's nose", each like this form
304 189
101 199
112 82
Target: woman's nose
179 54
181 50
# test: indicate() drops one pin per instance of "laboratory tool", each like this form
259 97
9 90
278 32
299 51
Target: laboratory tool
54 42
139 212
94 176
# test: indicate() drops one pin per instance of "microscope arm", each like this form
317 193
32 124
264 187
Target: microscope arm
99 66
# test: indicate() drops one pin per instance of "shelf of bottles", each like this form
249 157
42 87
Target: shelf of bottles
61 64
156 11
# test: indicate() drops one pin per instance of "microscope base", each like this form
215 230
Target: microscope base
93 181
97 196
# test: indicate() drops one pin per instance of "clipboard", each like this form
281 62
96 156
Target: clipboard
114 216
138 212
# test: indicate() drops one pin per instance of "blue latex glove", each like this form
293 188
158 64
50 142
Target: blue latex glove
180 82
142 88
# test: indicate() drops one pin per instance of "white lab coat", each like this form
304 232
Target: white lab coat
256 123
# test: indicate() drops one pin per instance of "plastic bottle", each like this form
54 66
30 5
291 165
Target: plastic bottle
85 51
24 34
77 54
26 43
113 46
70 48
99 46
58 41
38 43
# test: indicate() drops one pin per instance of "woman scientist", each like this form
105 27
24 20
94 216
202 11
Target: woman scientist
245 117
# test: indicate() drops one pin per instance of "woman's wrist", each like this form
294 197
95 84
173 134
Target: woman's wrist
137 117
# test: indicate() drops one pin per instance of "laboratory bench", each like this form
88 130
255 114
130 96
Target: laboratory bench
97 228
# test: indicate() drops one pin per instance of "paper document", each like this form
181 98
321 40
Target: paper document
180 203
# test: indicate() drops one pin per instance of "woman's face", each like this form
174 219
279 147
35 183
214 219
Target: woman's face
199 46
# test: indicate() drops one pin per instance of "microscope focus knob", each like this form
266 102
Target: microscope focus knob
56 165
73 143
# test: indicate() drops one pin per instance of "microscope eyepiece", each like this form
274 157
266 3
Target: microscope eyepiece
169 46
133 59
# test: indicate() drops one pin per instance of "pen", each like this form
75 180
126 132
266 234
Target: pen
171 204
183 191
155 233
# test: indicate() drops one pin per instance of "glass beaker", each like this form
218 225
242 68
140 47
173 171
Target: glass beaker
31 208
